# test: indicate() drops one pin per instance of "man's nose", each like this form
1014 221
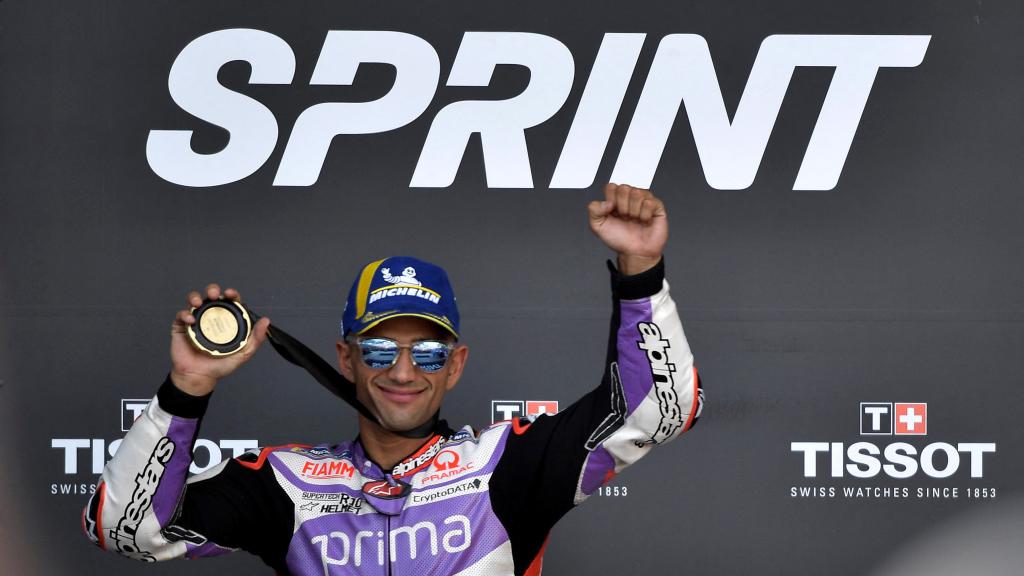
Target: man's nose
403 370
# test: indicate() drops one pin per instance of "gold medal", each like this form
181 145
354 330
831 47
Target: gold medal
222 327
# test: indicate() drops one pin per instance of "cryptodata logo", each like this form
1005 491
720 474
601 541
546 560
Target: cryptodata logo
873 467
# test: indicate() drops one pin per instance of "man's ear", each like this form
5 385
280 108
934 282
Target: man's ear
345 360
456 363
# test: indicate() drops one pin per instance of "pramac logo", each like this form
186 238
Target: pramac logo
447 465
446 460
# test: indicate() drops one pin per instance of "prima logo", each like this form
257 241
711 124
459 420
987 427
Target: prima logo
682 72
341 549
898 459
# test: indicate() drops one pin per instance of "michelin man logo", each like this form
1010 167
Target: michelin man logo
408 276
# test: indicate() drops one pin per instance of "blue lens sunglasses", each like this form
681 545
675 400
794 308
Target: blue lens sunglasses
380 353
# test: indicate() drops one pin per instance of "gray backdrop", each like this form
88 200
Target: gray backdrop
900 284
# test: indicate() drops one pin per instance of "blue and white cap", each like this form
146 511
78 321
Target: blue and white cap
400 286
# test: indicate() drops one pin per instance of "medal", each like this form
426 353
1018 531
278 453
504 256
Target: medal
222 327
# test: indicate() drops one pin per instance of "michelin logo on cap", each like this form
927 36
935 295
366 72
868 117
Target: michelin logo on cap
420 290
404 285
408 276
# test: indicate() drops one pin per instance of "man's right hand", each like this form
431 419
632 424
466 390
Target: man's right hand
194 371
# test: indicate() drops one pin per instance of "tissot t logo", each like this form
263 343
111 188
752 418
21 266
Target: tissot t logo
131 409
888 418
504 410
875 418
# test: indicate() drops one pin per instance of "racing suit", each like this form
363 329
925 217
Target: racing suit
466 502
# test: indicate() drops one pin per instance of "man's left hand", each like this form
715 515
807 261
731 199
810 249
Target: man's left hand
632 222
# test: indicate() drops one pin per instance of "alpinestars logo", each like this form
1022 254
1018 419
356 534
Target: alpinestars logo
896 460
404 468
146 484
672 417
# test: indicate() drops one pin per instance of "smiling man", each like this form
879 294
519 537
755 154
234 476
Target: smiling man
410 495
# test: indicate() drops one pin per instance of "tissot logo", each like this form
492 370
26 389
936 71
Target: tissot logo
87 456
503 410
895 460
682 72
887 418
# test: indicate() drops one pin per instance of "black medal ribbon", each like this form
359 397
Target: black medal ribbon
298 354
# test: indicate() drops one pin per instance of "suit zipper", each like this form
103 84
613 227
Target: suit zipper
387 545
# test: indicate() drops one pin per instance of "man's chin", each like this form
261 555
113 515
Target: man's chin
403 424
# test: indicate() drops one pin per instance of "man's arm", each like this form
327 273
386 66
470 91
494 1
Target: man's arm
650 392
140 508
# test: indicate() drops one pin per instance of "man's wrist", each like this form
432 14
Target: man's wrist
193 384
179 403
636 286
631 264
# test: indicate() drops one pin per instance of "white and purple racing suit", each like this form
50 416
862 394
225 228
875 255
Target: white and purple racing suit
466 502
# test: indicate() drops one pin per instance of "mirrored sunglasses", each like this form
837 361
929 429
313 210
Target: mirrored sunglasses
428 355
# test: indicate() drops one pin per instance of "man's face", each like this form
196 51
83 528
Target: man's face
402 396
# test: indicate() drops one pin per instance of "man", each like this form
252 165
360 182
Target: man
409 495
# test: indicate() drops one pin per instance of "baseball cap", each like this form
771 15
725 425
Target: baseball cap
400 286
